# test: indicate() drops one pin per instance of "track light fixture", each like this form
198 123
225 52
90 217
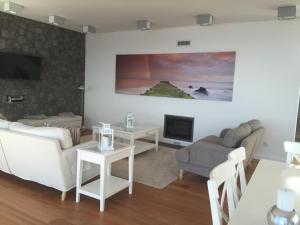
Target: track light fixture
56 20
143 25
12 7
88 29
205 19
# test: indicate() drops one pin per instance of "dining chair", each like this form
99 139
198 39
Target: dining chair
238 156
293 151
222 177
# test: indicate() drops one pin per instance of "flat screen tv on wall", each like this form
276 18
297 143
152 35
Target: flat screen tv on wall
20 67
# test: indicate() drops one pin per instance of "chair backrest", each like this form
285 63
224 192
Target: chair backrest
238 156
293 151
222 175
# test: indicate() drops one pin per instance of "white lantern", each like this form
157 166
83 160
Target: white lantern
106 138
129 121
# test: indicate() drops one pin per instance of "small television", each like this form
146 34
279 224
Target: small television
19 67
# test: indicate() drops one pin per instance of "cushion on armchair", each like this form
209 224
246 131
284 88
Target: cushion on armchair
255 124
224 132
234 136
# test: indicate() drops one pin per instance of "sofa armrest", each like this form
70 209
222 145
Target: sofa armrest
70 155
82 145
183 155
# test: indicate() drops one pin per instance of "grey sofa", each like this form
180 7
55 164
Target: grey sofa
202 156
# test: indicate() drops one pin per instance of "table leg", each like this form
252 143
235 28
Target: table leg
103 170
131 140
78 178
109 169
156 140
94 134
130 170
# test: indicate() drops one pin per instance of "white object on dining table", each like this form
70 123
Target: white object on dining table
286 199
261 192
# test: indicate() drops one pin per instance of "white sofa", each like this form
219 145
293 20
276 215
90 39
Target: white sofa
41 159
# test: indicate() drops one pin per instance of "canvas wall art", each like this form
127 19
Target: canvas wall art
206 76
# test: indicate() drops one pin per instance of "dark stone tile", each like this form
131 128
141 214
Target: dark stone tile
63 66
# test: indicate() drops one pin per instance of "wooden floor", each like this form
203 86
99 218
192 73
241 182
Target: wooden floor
181 203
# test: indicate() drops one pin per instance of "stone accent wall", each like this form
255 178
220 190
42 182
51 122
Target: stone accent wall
63 65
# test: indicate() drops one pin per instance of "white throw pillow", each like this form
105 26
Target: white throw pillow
61 134
4 124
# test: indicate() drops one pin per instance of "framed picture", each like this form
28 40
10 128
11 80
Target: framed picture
208 76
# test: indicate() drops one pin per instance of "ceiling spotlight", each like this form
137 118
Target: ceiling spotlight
286 12
56 20
205 19
12 7
143 25
88 29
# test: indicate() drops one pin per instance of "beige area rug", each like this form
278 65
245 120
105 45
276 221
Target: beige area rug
155 169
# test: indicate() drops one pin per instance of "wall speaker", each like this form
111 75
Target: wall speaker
11 7
56 20
286 12
88 29
144 25
205 19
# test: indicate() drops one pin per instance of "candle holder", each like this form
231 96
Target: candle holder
283 213
277 216
129 121
106 138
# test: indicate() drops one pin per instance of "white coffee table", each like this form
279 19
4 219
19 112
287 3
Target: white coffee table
107 185
139 131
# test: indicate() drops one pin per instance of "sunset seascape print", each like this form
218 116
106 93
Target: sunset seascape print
207 76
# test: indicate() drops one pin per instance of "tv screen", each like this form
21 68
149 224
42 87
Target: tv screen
16 66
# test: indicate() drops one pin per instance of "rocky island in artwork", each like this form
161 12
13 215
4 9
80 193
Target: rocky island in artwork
179 75
166 89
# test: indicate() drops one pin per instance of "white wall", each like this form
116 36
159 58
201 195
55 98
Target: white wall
266 83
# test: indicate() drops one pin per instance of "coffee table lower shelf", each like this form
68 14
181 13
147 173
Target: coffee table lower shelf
113 185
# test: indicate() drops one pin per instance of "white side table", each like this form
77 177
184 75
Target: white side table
107 185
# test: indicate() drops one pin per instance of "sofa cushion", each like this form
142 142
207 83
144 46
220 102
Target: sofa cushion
61 134
224 132
247 127
208 154
255 124
4 124
213 139
234 137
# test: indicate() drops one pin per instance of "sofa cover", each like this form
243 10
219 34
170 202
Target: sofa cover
41 160
203 155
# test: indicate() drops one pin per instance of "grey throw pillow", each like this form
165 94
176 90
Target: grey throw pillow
246 126
255 124
234 137
224 132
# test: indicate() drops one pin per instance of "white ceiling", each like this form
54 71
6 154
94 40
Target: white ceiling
120 15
